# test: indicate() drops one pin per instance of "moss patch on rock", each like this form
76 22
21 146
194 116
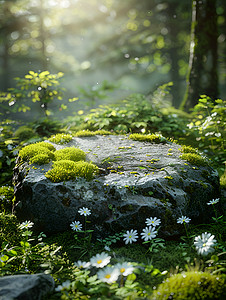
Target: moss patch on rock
65 170
151 138
60 138
70 153
191 285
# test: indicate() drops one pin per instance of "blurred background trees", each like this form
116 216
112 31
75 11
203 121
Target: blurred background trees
137 44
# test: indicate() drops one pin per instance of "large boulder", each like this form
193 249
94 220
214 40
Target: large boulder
137 180
25 287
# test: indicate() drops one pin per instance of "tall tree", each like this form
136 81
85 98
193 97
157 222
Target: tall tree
202 75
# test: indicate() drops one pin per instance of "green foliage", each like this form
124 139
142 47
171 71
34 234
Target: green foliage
135 114
191 285
9 232
194 159
151 138
70 153
24 133
208 126
46 126
36 87
41 148
6 198
64 170
60 138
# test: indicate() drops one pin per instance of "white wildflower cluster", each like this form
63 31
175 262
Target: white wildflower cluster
26 225
76 225
148 233
106 273
204 243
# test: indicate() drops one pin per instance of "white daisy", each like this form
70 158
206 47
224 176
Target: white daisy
108 274
64 285
76 225
100 260
214 201
130 236
124 269
153 221
82 264
84 211
26 224
183 219
204 243
148 233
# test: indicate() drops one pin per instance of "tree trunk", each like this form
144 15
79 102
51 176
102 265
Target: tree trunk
202 75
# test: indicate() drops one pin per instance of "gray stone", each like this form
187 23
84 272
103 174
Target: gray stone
137 180
25 287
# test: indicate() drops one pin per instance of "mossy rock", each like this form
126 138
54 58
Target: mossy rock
191 286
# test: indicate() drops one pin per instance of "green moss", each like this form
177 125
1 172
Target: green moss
188 149
70 153
29 151
81 133
65 170
191 285
152 138
60 138
194 159
40 159
24 133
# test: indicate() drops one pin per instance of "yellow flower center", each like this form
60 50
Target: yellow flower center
149 233
99 261
152 222
108 276
204 245
130 236
122 270
84 211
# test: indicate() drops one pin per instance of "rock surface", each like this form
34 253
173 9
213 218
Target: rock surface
25 287
137 180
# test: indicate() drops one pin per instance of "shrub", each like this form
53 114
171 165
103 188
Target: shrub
152 138
60 138
24 133
65 170
194 159
32 150
191 285
70 153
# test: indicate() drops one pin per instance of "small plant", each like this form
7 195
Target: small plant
191 285
151 138
35 87
70 153
60 138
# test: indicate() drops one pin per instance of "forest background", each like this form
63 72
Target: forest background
108 49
